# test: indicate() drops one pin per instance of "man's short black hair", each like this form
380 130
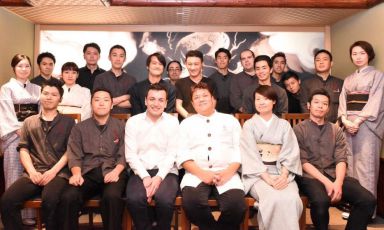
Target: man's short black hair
323 51
289 74
117 47
101 89
93 45
223 50
174 61
157 87
320 91
263 58
51 83
45 55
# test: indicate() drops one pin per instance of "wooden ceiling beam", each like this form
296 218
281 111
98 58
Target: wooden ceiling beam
337 4
14 3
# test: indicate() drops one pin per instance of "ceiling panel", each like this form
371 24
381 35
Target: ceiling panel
94 12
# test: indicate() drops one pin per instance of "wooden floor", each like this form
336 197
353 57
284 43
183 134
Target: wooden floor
336 222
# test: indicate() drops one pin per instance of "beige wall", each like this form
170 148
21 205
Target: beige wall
367 25
17 37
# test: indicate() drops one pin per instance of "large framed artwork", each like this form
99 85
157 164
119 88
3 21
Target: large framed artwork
67 45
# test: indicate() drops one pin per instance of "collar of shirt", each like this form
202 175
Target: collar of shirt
97 69
365 69
54 121
19 82
96 123
146 118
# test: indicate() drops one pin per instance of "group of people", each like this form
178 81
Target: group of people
331 157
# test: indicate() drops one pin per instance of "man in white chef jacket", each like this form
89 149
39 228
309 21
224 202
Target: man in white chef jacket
209 153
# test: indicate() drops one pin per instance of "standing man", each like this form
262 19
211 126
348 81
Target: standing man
263 65
174 70
46 62
242 80
97 162
117 81
222 78
323 153
150 150
44 157
209 151
194 62
323 79
88 73
279 62
155 66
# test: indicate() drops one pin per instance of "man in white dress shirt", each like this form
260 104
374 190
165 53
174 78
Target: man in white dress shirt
150 150
209 153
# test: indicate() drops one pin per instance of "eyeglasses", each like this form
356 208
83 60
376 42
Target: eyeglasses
174 70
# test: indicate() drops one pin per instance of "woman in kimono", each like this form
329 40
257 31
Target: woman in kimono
270 161
76 99
361 111
18 100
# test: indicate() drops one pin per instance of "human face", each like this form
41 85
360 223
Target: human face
117 58
22 70
263 71
359 57
247 60
91 56
50 98
156 102
319 106
222 61
203 102
278 65
323 63
174 71
263 105
101 104
46 67
69 77
155 68
292 85
194 66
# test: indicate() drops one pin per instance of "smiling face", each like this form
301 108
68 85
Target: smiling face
247 59
319 106
156 102
22 70
359 57
194 66
263 105
69 77
263 71
117 58
91 56
203 102
222 60
155 67
50 98
101 103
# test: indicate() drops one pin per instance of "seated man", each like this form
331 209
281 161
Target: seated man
44 158
97 162
209 152
150 150
323 153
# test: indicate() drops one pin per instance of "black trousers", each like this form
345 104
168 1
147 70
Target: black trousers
231 205
362 201
164 197
112 203
23 189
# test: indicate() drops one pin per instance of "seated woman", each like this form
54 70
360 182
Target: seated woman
270 160
76 99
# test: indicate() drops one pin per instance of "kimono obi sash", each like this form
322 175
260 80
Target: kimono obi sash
269 152
25 110
356 102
